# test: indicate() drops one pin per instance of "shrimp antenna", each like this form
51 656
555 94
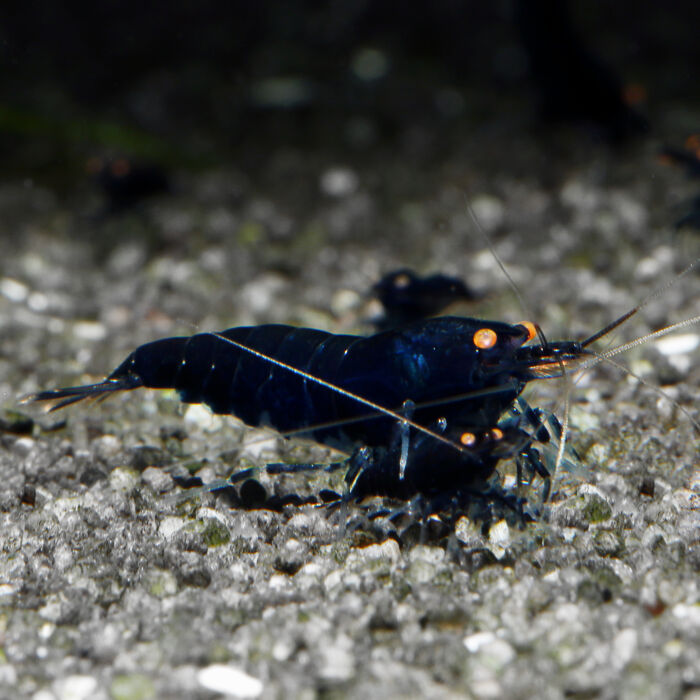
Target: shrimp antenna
639 341
652 295
597 358
496 257
543 340
610 327
604 357
667 285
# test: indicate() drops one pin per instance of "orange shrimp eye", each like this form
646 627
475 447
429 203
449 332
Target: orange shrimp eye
485 338
531 329
402 280
467 439
496 434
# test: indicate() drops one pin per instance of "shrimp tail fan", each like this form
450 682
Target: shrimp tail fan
56 399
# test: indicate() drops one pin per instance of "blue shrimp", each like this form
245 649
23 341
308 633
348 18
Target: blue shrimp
443 386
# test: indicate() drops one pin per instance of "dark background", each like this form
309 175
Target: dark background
188 84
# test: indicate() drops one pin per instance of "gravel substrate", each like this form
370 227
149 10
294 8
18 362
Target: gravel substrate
112 587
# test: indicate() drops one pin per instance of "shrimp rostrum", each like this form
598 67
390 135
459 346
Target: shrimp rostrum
426 410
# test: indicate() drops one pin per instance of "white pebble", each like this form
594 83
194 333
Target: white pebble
474 642
499 538
489 212
43 695
8 675
123 479
229 681
624 647
75 687
689 614
6 589
680 344
198 415
107 446
89 330
338 661
13 290
159 480
338 182
38 302
23 446
170 525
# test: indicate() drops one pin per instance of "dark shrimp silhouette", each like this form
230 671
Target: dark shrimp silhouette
427 410
407 297
445 386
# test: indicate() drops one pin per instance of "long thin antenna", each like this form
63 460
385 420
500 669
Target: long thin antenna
598 357
652 295
487 239
565 421
660 290
610 327
653 387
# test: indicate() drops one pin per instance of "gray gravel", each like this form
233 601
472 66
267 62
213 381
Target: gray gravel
111 587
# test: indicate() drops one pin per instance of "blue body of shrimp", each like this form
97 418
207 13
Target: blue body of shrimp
441 385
